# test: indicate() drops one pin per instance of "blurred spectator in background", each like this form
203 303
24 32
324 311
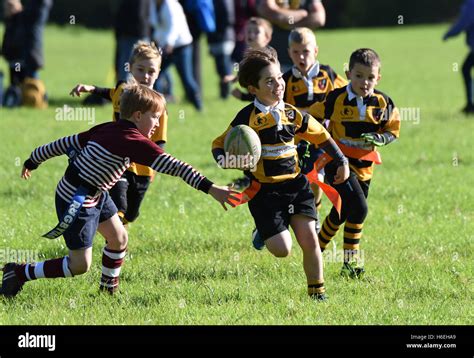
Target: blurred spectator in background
12 45
23 49
244 10
201 19
131 25
285 15
222 42
36 14
466 23
173 36
258 34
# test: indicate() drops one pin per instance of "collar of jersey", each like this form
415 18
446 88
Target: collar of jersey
275 111
351 95
313 71
126 123
266 109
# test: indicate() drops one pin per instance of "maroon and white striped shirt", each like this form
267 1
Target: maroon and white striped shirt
105 152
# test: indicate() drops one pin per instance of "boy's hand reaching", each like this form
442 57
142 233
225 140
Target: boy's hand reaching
222 194
342 174
25 173
80 88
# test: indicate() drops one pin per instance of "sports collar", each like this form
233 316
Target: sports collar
275 110
313 71
352 95
265 109
361 101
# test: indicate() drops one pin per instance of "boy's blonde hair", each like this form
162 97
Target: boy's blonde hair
143 50
303 36
138 97
265 24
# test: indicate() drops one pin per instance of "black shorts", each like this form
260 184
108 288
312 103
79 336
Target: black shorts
274 205
128 194
82 231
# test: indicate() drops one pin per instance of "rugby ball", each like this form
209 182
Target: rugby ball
240 141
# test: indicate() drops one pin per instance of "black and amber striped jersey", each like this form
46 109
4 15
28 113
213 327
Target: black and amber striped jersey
276 128
303 91
160 135
350 116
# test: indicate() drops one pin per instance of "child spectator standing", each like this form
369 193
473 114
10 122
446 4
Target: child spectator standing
258 34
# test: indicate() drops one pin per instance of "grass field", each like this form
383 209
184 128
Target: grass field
189 262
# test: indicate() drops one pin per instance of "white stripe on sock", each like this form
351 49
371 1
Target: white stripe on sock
114 255
67 272
27 274
111 272
39 271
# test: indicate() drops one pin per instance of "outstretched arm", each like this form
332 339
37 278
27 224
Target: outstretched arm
149 154
25 173
53 149
167 164
82 88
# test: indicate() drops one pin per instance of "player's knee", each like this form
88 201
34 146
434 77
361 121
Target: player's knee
363 210
359 211
122 239
309 243
79 266
281 251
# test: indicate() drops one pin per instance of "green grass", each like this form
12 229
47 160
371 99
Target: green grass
190 262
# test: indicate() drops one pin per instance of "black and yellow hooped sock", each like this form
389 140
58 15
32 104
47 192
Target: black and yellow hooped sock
316 287
352 236
328 231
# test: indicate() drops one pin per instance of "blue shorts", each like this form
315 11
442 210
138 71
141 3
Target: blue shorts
81 233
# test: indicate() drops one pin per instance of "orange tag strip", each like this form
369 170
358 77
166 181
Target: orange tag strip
330 192
362 154
247 194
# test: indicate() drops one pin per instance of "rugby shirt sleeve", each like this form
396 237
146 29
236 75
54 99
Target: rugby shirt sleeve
311 130
152 155
391 121
218 146
59 147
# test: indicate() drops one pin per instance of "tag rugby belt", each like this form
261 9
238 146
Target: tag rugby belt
70 215
329 191
74 207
